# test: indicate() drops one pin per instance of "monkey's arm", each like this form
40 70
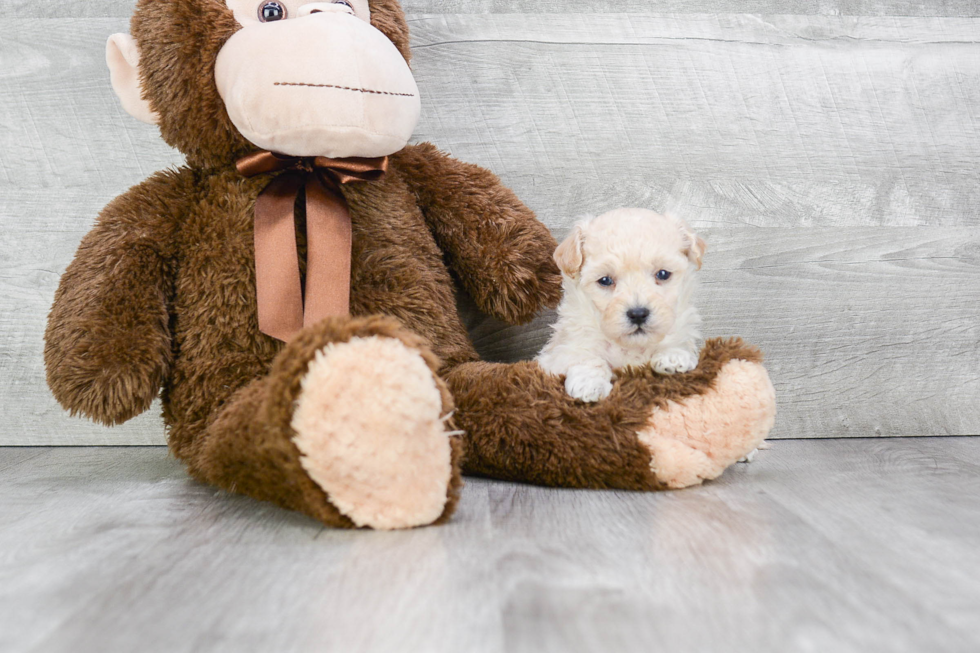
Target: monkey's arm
107 344
499 250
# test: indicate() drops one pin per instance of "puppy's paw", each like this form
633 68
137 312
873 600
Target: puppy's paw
588 384
675 361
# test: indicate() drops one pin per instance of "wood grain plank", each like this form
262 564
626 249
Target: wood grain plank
782 121
961 448
948 8
716 569
63 128
13 456
796 7
830 159
896 528
865 330
787 121
163 529
818 545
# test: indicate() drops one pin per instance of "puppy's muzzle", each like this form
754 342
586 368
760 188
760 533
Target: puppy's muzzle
638 315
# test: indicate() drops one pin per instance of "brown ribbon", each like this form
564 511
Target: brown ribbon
284 309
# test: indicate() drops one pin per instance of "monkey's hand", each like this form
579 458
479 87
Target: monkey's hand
496 246
107 344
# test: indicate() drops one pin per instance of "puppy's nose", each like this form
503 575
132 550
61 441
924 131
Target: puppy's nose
638 315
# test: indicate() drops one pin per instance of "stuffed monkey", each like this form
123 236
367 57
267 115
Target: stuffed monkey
289 291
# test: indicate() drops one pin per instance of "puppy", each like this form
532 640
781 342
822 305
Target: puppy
628 277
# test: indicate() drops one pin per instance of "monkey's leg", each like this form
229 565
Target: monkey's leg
350 427
652 432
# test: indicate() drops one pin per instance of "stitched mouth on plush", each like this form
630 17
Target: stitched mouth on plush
340 87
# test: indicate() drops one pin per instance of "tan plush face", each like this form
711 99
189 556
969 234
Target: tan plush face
635 267
316 79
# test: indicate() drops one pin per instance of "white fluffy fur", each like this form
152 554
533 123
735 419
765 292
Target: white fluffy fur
593 336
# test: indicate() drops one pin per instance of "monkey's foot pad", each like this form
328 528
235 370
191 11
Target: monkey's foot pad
370 429
696 440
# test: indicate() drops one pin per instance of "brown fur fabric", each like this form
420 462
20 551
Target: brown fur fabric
249 448
162 293
388 17
505 264
548 438
108 346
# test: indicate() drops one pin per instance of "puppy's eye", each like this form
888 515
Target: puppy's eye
271 12
606 281
663 275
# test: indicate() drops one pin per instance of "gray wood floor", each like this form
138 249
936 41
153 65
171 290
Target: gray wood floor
822 545
829 151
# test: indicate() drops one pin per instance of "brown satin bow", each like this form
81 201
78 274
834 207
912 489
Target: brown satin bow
284 309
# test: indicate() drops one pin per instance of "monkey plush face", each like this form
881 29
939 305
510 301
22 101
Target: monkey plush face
344 89
224 77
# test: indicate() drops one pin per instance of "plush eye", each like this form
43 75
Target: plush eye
345 3
663 275
605 281
272 11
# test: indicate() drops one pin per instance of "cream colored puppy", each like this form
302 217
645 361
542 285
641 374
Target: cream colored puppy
628 277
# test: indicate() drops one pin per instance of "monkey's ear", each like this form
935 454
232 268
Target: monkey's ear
569 255
123 57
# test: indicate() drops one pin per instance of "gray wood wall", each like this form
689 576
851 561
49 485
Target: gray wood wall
827 150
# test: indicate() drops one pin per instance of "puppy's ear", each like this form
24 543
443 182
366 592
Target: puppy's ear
697 249
694 245
569 255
